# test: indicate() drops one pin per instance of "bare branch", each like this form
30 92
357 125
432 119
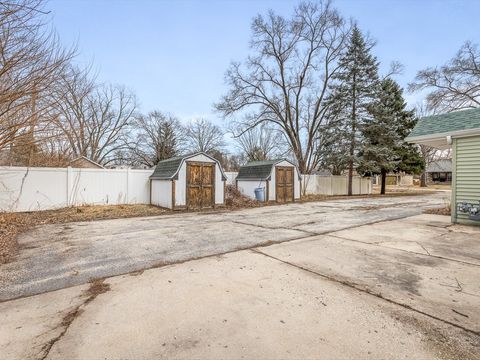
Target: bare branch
286 81
455 85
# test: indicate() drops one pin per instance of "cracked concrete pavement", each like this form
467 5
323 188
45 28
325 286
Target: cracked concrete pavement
57 256
394 285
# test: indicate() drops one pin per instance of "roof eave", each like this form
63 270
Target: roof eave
440 140
268 178
160 178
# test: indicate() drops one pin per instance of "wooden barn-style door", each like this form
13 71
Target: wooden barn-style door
284 187
200 185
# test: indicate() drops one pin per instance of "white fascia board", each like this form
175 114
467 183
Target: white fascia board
439 140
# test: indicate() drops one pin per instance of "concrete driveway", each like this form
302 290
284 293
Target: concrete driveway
57 256
363 279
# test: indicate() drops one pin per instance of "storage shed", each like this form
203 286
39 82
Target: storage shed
460 131
192 181
279 178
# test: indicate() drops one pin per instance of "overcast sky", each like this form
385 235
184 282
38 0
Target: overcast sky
173 54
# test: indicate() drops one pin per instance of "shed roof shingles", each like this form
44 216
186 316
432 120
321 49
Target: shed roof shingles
166 169
257 170
447 123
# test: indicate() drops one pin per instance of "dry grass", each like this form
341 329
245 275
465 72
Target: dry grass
439 186
393 189
446 209
439 211
308 198
12 224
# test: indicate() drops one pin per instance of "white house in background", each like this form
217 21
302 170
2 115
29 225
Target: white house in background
280 180
192 181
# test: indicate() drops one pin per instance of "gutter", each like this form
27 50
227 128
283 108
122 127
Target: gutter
444 136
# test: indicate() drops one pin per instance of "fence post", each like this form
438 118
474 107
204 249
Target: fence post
69 184
128 182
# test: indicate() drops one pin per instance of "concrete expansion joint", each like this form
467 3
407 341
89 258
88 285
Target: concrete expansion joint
368 291
407 251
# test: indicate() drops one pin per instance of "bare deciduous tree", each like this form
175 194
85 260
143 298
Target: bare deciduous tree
286 80
455 85
31 60
260 143
202 135
93 118
159 136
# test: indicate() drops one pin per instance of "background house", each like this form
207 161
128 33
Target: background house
439 171
83 162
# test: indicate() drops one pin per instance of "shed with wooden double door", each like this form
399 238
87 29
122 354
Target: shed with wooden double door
279 179
193 181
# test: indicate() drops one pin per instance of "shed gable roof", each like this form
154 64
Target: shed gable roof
446 123
168 169
258 170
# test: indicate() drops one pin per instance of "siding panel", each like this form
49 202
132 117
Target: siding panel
467 166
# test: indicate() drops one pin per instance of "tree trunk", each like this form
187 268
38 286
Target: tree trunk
423 179
352 140
302 166
384 181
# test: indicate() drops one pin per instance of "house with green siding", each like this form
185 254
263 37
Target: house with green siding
460 131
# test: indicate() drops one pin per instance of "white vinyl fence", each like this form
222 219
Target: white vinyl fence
335 185
231 176
398 179
325 185
28 189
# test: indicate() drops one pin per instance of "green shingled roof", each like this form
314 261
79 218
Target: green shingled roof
447 123
257 170
167 169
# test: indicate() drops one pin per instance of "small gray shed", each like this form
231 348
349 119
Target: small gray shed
190 181
280 178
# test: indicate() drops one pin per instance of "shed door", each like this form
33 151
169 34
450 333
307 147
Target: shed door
200 185
284 183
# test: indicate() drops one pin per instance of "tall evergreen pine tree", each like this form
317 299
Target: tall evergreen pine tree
354 89
384 149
